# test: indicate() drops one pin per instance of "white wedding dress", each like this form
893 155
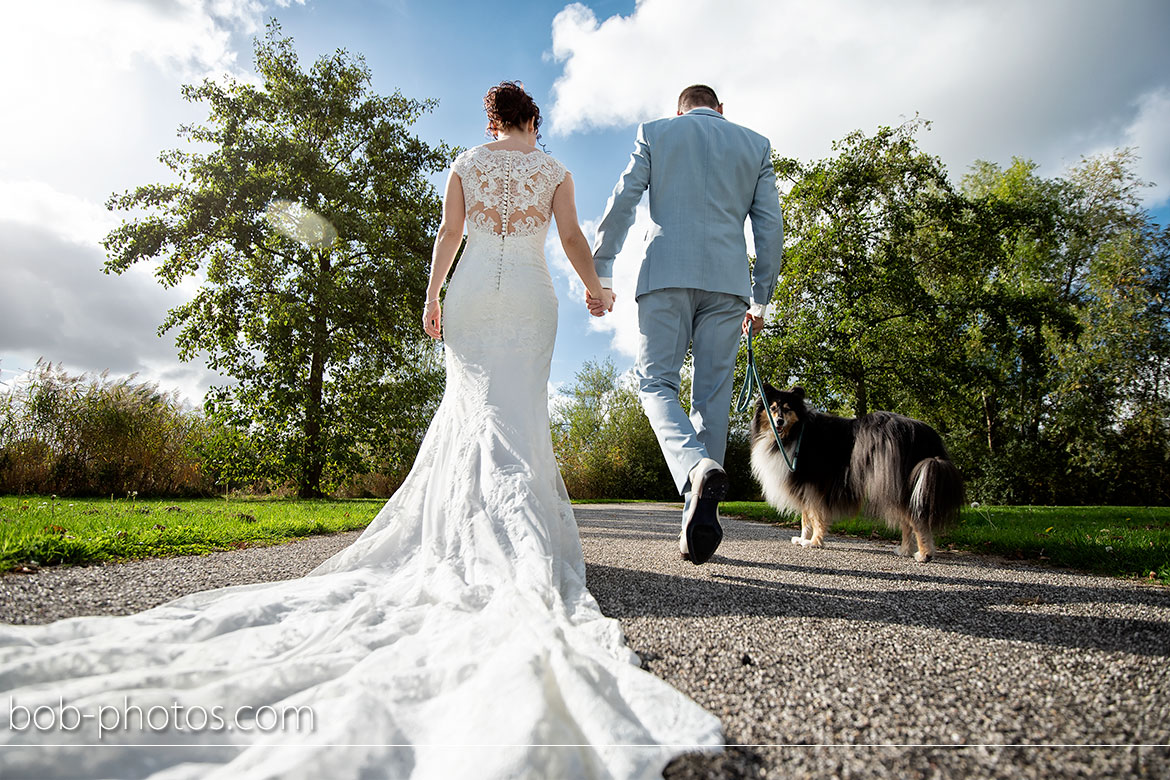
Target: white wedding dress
455 638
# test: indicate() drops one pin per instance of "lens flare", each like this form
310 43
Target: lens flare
301 224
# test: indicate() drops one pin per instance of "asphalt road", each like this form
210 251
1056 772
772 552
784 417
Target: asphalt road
850 661
844 662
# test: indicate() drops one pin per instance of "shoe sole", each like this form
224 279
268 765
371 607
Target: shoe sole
703 532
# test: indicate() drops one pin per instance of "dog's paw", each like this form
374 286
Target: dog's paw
904 552
798 540
922 557
811 543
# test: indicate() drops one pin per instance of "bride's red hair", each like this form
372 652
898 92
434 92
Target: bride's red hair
508 105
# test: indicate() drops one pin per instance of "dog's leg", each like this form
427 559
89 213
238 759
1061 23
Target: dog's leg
814 534
805 530
926 548
905 549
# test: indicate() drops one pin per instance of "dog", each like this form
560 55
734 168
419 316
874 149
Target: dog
895 466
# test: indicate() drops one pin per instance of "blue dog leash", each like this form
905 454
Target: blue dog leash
752 377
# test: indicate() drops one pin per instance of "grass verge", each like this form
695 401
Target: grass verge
36 531
1116 541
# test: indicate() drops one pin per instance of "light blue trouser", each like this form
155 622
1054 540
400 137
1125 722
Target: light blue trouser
669 322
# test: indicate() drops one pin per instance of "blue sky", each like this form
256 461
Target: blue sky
1048 80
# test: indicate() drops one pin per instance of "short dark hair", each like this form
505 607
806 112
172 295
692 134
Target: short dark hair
697 95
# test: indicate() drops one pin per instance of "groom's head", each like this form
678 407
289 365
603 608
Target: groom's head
698 96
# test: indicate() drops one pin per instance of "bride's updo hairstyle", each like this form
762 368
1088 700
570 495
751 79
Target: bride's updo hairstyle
508 105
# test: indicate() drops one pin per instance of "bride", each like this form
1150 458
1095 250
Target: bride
454 638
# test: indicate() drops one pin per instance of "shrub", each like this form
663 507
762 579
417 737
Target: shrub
607 449
90 435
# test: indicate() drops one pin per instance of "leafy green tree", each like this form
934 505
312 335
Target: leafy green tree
1117 266
228 456
862 296
1016 315
1024 317
1071 346
306 217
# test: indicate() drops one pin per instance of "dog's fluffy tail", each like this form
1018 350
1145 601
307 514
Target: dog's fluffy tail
936 492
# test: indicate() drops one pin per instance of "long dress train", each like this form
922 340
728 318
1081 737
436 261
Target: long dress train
454 638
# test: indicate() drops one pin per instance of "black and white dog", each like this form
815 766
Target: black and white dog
895 466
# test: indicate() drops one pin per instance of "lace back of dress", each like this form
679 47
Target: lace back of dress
508 192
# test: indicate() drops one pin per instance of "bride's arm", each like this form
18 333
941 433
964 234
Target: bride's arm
447 242
577 249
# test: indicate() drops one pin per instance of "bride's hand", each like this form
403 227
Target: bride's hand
599 306
433 319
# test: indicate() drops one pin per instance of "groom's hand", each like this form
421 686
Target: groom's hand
599 306
755 323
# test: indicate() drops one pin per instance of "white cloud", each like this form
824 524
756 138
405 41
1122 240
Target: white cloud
100 80
560 261
69 216
557 399
1047 80
91 97
622 322
76 37
57 304
1150 133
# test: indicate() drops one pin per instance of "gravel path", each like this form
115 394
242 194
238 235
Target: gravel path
845 662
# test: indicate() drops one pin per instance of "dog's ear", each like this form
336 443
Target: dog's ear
769 391
797 393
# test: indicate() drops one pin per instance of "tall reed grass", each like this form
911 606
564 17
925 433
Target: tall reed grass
91 435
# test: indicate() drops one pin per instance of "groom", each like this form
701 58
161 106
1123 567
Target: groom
706 176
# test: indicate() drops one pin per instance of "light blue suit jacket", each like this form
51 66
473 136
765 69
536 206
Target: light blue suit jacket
706 176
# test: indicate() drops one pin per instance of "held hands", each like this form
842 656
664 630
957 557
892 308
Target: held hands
599 306
755 323
433 319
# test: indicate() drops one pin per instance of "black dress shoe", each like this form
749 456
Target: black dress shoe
703 533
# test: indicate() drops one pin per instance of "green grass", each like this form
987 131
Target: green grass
40 531
37 531
1117 541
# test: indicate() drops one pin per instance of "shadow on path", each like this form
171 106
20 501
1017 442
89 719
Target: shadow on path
1027 605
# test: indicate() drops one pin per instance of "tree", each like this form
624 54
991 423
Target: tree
307 222
1072 345
1024 317
862 292
1015 316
